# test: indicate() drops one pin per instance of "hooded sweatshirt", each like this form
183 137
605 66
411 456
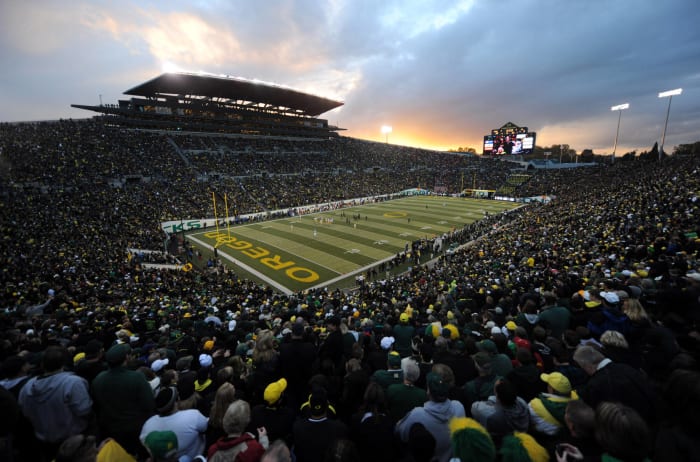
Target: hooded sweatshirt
58 405
499 420
435 417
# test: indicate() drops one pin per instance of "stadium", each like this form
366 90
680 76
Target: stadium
207 227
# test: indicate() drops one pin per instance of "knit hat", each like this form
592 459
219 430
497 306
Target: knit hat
510 325
521 447
274 391
453 331
558 382
165 399
394 359
471 441
433 330
78 357
403 317
161 445
209 345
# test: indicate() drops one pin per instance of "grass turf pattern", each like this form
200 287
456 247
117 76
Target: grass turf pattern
301 252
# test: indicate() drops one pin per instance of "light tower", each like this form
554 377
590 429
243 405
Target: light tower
619 108
386 129
670 94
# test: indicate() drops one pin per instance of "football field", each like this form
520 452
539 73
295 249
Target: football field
321 249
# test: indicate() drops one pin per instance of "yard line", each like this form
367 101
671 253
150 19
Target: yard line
286 250
235 261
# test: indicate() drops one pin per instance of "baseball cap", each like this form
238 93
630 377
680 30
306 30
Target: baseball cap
488 346
557 381
161 444
274 391
437 386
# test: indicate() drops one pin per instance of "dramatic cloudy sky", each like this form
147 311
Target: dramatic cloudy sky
441 73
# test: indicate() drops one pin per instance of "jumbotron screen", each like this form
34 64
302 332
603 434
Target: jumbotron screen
509 144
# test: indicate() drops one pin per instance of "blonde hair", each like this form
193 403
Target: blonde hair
634 310
614 338
264 347
225 395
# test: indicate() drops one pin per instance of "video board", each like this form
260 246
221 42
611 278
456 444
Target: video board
509 140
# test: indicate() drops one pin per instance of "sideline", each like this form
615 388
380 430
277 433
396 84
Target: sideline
251 270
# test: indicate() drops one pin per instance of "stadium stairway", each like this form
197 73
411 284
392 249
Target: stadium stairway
179 152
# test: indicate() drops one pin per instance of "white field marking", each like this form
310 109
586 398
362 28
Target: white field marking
442 222
235 261
353 251
286 250
351 273
427 227
405 234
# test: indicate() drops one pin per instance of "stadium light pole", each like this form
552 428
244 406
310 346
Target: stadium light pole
386 129
619 108
670 94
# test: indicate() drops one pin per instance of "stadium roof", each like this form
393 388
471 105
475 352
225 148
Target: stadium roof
233 88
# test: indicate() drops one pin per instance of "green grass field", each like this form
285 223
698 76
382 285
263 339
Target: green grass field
323 249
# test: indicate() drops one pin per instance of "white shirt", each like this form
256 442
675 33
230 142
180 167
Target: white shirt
189 426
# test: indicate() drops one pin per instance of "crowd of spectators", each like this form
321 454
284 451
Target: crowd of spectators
563 330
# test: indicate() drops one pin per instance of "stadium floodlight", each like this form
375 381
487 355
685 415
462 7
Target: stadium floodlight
619 108
670 94
675 92
386 129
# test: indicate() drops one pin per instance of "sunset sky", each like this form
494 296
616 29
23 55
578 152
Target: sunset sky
441 73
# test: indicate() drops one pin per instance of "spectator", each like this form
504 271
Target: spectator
614 382
372 428
392 374
522 447
481 387
225 395
296 358
471 441
503 413
315 434
57 402
434 415
403 397
622 432
678 438
547 411
238 444
189 425
274 415
123 400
